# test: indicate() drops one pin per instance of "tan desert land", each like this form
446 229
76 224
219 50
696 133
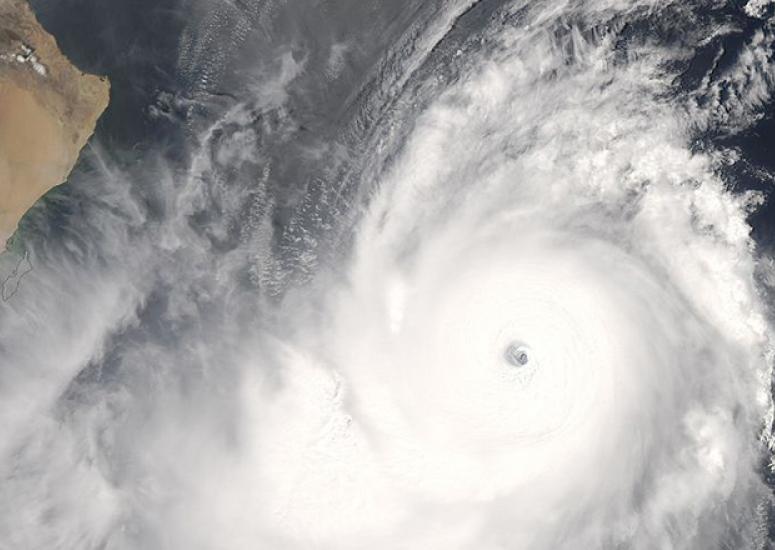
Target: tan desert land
48 111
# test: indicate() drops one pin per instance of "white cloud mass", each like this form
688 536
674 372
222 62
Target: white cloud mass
548 196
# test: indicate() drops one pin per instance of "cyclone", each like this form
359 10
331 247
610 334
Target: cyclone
519 305
588 238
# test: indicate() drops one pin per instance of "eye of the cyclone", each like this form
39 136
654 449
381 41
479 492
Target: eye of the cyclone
517 354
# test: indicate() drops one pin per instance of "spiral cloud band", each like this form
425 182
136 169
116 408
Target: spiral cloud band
608 252
540 321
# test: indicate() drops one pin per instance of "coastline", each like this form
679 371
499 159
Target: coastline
48 111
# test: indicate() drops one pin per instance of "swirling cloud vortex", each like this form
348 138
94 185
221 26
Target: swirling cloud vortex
550 335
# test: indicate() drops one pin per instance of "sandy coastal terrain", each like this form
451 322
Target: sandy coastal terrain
48 110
